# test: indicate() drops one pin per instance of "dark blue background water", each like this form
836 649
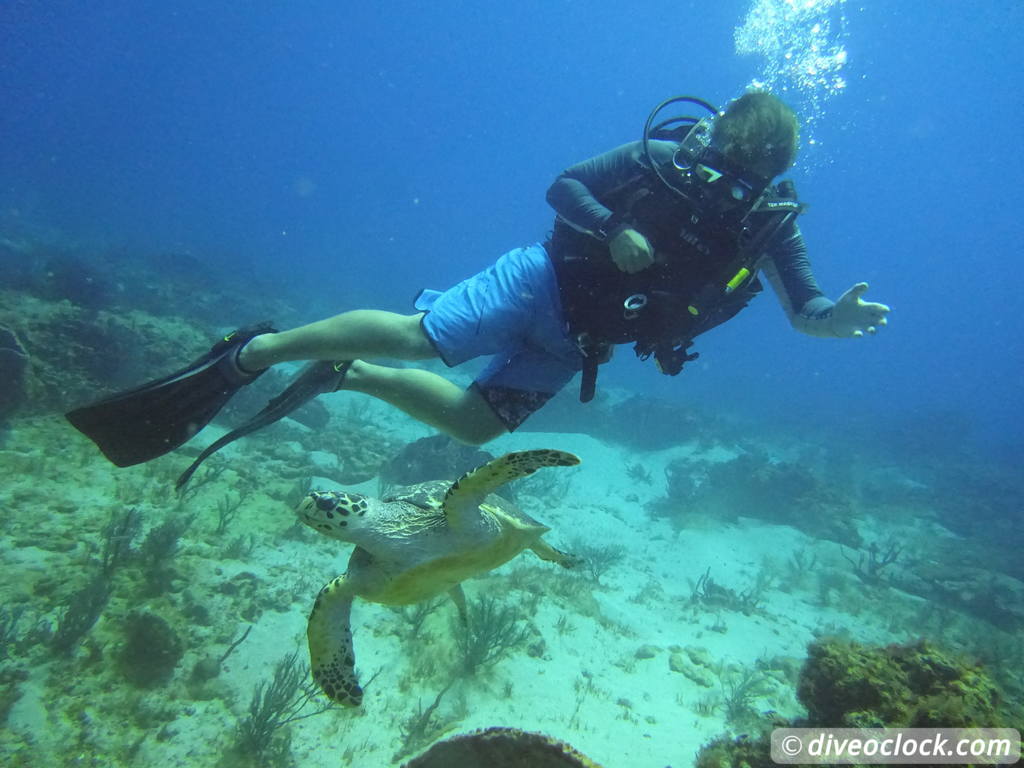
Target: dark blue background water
361 153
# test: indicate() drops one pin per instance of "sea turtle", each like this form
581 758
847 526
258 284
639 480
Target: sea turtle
414 544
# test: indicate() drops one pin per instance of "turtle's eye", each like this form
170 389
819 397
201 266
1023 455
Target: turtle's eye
325 502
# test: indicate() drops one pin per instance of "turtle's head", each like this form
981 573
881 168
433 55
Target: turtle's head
334 513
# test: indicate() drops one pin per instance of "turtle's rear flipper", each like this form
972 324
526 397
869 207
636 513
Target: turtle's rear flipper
459 598
329 634
545 551
469 490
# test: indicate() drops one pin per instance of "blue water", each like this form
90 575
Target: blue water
361 153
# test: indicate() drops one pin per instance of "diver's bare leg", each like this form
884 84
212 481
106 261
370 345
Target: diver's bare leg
427 397
361 333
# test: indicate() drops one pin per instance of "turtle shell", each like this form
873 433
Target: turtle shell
423 495
430 495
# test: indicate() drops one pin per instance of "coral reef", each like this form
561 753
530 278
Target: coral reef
752 485
77 278
15 262
501 748
10 689
917 685
313 414
548 488
651 424
14 362
89 334
739 752
438 457
870 566
77 354
595 560
980 501
83 607
151 650
157 551
639 421
80 614
741 688
424 725
261 737
638 473
974 590
9 634
489 634
43 265
710 595
845 684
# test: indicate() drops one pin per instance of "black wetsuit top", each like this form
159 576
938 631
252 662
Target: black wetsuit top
582 196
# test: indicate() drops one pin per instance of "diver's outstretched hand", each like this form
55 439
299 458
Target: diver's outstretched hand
853 317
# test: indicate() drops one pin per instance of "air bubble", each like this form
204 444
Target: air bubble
802 44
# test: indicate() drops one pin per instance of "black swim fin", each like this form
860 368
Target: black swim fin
314 379
143 423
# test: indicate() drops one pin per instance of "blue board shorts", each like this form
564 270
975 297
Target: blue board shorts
511 310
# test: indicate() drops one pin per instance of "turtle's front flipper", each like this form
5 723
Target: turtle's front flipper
330 644
545 551
469 490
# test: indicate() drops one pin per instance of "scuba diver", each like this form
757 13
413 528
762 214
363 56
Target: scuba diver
654 243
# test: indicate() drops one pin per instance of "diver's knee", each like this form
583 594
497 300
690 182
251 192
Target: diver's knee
416 345
480 426
476 436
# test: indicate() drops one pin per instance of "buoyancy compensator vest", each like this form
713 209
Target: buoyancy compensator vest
703 274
